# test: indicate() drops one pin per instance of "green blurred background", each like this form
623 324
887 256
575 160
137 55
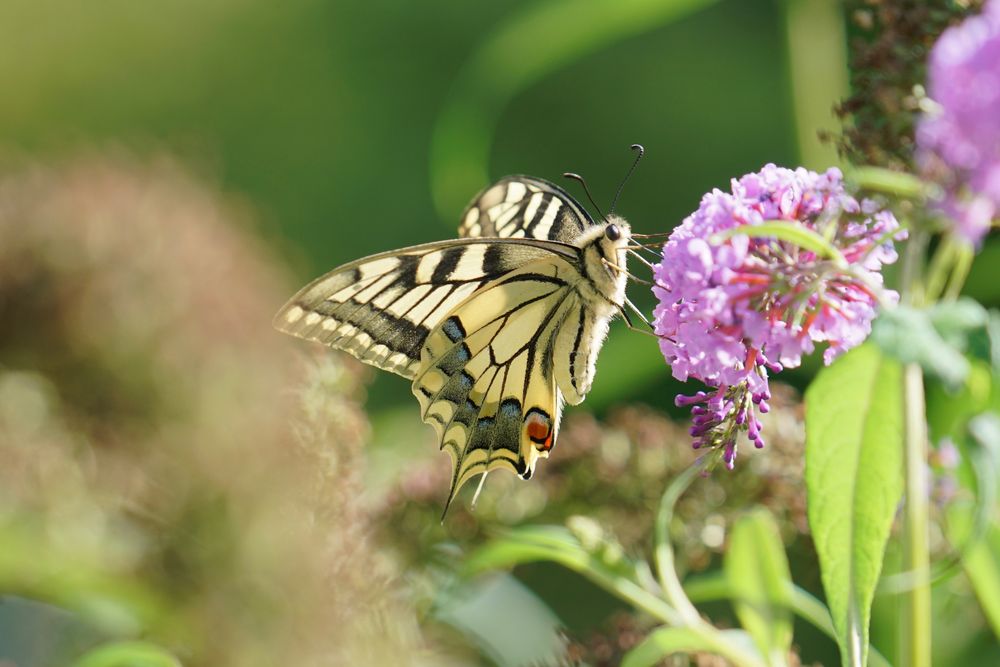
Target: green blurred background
323 115
298 136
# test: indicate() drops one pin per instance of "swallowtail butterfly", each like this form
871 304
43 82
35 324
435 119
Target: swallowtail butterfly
495 329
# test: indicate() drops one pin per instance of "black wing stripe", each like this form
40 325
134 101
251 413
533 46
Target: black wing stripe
483 430
541 202
576 346
525 207
446 266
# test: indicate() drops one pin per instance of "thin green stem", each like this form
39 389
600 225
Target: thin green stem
911 280
915 635
666 572
712 639
960 271
949 267
940 269
670 583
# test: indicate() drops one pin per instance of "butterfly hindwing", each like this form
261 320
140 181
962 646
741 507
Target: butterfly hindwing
487 381
382 308
524 207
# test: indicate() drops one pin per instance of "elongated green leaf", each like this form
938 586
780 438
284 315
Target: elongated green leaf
972 526
891 182
761 585
658 645
581 549
981 561
523 545
854 449
128 654
792 232
664 642
982 566
552 543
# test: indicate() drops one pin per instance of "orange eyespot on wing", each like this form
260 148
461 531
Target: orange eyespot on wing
538 426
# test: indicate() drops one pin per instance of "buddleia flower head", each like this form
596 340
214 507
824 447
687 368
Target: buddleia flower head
733 307
959 139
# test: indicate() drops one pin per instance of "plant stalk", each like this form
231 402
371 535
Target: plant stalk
915 634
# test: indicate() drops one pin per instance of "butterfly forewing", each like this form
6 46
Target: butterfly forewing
524 207
381 309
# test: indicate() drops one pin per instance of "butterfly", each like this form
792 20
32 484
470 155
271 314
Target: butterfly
496 329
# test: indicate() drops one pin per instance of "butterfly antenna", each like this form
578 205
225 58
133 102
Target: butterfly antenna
578 177
643 260
642 316
640 152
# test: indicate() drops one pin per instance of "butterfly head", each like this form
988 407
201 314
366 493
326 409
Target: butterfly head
604 250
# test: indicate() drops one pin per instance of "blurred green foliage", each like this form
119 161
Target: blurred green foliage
163 479
323 113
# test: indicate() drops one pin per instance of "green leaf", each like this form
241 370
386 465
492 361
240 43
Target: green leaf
128 654
955 319
909 335
993 329
583 546
715 586
787 231
761 585
949 412
664 642
980 560
937 338
973 525
890 182
527 632
982 566
581 549
854 451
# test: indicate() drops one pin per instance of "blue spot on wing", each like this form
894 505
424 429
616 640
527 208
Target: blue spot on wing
453 329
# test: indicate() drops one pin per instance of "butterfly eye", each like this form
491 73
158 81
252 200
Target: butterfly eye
612 232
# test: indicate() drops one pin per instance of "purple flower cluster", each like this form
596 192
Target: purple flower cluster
732 307
959 143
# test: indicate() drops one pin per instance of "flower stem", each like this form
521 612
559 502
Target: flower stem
915 634
916 630
673 591
940 269
960 271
